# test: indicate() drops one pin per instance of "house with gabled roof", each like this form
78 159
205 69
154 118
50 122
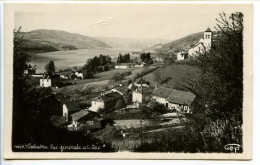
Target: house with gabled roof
50 106
50 80
30 70
85 119
106 101
141 82
69 108
174 99
123 65
58 105
122 90
139 95
182 55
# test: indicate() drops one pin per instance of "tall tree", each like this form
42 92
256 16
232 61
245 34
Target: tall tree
146 57
220 88
50 68
102 60
108 59
25 96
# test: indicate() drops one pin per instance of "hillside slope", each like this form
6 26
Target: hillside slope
182 43
43 40
156 47
172 76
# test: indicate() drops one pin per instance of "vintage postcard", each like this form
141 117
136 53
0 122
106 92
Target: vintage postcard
128 81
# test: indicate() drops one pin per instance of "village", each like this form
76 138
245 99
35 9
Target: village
117 104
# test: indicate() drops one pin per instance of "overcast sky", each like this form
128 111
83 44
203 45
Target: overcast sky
123 21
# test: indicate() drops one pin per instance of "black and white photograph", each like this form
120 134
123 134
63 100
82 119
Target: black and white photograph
130 78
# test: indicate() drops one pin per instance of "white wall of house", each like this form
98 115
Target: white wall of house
196 50
161 100
45 82
64 77
121 66
180 56
79 75
186 109
114 90
137 97
37 75
96 106
73 126
178 107
139 66
139 85
173 106
65 111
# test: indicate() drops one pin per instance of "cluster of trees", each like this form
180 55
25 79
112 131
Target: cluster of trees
50 68
123 58
96 64
169 60
36 47
146 57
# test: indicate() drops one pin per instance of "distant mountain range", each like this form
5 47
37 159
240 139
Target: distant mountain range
43 40
156 47
131 43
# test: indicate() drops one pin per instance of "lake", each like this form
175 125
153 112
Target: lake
70 58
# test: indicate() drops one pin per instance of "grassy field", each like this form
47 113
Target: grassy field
100 80
141 70
133 137
172 76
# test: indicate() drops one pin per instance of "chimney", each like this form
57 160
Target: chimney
156 86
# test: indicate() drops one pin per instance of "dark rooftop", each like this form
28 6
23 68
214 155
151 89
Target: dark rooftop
140 80
181 97
72 106
48 76
108 97
122 89
184 52
174 96
63 98
162 92
144 91
208 30
78 115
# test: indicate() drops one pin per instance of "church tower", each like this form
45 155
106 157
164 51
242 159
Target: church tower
207 39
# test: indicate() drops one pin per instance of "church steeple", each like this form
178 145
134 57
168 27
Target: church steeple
208 30
207 38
